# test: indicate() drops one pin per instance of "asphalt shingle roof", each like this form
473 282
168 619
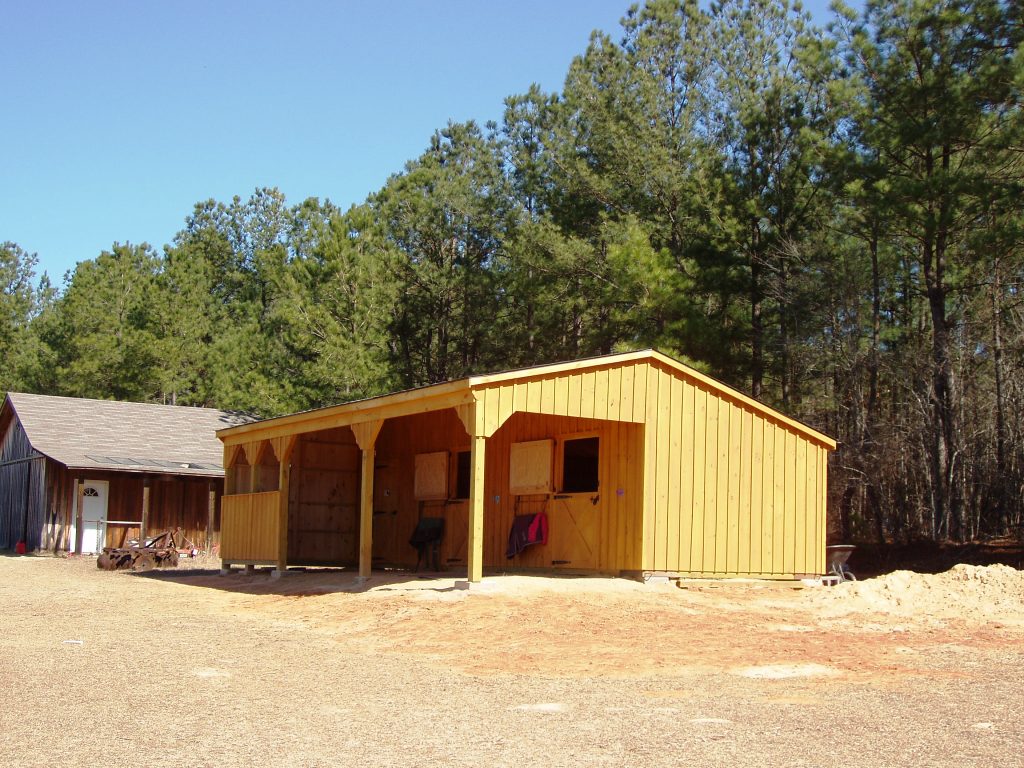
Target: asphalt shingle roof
127 437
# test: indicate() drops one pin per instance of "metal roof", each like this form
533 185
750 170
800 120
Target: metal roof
124 437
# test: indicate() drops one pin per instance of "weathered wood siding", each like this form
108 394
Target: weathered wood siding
249 527
22 490
174 502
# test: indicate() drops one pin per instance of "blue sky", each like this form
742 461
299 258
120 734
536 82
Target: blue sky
120 116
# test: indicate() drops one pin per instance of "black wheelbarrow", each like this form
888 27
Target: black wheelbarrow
836 556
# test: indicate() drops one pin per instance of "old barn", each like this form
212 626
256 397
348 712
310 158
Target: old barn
77 475
624 464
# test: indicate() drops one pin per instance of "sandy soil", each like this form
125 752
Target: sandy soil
316 670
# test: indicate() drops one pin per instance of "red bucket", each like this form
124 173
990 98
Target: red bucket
19 548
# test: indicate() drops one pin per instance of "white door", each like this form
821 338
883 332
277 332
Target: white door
94 516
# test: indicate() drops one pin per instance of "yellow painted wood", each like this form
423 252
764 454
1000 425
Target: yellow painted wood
768 526
697 469
655 473
530 465
575 389
477 502
686 443
366 512
640 373
674 512
664 528
746 457
732 548
800 522
607 387
779 559
789 503
519 400
561 395
822 505
707 565
756 494
640 358
533 396
712 483
626 394
588 393
249 527
722 494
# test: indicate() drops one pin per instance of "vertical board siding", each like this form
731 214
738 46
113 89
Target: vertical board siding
606 523
686 454
696 469
743 564
729 492
249 525
323 508
692 480
756 492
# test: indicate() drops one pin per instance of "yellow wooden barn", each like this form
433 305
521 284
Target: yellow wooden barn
634 463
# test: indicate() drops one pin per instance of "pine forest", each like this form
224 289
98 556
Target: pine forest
826 218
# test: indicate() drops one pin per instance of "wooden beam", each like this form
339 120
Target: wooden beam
211 511
366 433
366 437
436 397
366 515
146 487
284 473
282 447
475 545
80 490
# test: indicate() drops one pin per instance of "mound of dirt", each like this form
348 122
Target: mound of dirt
969 592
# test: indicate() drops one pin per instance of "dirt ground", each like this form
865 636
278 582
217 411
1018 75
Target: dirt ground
314 669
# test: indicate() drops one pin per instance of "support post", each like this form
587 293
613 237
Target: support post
144 526
80 502
211 512
476 509
283 451
366 437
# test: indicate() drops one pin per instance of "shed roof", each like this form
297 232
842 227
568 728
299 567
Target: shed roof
123 437
449 392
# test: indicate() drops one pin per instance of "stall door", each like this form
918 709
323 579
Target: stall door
574 525
94 516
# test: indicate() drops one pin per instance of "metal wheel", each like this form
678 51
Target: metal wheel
145 562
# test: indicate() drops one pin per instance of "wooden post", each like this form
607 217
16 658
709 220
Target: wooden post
283 447
211 512
476 509
366 437
80 499
144 526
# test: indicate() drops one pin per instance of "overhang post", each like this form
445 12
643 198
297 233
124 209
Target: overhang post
80 501
282 447
366 437
211 509
144 526
475 545
472 417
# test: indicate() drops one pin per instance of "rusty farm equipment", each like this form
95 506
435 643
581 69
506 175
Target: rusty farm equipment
161 551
